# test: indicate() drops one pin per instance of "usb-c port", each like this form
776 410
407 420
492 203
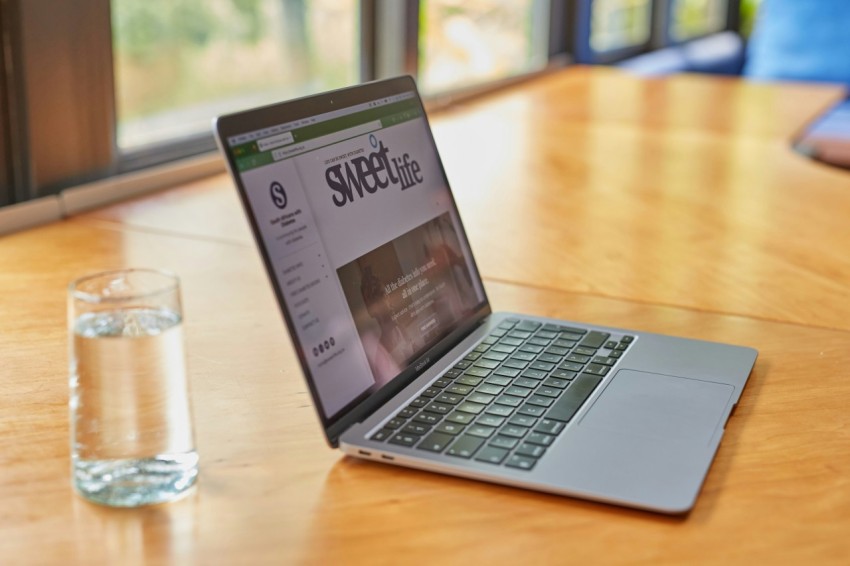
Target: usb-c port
364 453
385 457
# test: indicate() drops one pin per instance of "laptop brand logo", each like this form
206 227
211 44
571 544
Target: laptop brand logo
366 174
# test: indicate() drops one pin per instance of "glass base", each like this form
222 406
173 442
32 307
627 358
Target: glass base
131 483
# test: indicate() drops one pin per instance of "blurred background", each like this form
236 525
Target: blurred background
96 88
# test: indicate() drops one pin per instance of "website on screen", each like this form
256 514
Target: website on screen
364 240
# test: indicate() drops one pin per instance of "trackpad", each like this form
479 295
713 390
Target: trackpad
660 406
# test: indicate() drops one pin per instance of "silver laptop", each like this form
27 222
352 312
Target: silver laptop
405 361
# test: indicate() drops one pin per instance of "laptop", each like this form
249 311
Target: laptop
405 360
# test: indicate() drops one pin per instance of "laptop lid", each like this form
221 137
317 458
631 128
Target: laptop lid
361 238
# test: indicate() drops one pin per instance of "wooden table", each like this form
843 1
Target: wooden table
671 205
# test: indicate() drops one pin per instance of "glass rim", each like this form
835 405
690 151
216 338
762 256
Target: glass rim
74 291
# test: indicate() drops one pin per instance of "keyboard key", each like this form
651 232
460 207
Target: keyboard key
551 358
469 380
562 374
449 428
509 400
481 431
487 364
459 389
530 450
557 351
513 342
523 420
547 334
521 334
478 372
508 371
495 356
436 442
504 348
565 344
504 442
573 330
526 382
543 366
524 356
604 360
518 391
513 431
532 410
439 408
540 438
534 374
407 412
448 398
490 420
460 418
541 401
555 382
531 349
610 344
416 428
404 439
578 358
431 392
472 356
571 366
381 435
500 410
482 398
427 418
521 462
452 373
462 364
490 389
548 426
393 424
585 351
442 382
514 363
595 339
472 408
615 355
419 402
574 396
627 339
498 380
621 347
465 446
529 325
597 369
539 341
548 391
481 348
491 455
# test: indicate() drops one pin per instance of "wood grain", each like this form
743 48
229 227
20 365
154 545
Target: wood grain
616 222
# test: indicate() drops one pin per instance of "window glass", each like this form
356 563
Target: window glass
693 18
616 24
178 63
463 42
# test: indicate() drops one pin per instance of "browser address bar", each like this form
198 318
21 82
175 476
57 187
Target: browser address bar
329 139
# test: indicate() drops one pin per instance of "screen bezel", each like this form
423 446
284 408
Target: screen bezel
284 112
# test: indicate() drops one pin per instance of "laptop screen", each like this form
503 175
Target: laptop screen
361 236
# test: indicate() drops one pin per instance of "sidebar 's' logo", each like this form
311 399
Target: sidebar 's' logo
278 195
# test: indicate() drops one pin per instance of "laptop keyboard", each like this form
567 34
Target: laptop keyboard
507 400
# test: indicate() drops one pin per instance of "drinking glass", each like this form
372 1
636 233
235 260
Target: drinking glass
131 425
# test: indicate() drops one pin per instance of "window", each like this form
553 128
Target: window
178 63
463 42
617 24
693 18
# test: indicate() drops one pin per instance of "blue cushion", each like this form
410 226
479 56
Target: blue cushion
720 53
801 40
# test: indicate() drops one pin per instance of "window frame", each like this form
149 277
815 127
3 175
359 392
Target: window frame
57 74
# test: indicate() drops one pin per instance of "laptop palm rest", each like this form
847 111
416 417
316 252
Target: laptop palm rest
648 439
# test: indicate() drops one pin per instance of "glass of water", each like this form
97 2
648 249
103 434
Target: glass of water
131 425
